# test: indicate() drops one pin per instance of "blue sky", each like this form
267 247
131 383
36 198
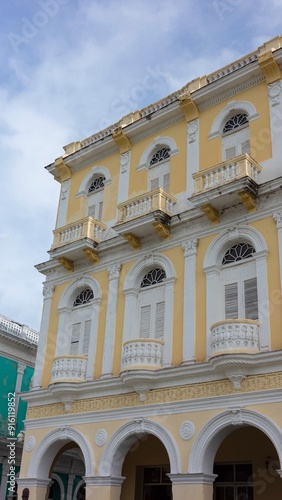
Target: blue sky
72 67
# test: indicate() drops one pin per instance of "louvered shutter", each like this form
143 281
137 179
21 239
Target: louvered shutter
231 301
75 338
159 327
100 211
145 316
86 338
230 152
251 298
245 147
154 183
91 211
166 180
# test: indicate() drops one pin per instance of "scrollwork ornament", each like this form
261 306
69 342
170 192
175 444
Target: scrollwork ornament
114 271
277 216
30 443
190 247
101 437
187 430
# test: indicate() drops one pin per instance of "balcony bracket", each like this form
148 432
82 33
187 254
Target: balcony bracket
162 229
133 240
211 213
91 255
248 200
66 263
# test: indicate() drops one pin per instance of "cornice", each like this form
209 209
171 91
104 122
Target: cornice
185 375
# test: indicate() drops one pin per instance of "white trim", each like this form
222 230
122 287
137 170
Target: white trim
159 141
192 154
80 483
60 483
115 451
212 267
88 178
225 114
205 446
51 444
68 294
44 330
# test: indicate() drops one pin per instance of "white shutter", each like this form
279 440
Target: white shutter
251 298
231 301
86 338
159 328
91 211
100 211
166 179
154 183
230 153
145 315
245 147
75 338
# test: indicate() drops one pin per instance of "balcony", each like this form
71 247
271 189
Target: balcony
69 369
235 336
144 354
138 215
225 184
76 240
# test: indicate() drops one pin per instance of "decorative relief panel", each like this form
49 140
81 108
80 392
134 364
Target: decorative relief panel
101 437
187 430
30 443
172 394
274 91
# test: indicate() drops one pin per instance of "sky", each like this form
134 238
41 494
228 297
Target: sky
73 67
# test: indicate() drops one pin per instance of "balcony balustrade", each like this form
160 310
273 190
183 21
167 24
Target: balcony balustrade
235 336
142 354
144 204
226 172
85 228
69 369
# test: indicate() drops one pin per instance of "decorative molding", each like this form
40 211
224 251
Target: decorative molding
21 368
187 430
248 200
91 255
133 240
277 216
192 130
121 140
217 388
124 162
236 416
190 247
211 213
114 271
162 229
30 443
48 291
101 437
66 263
269 66
274 93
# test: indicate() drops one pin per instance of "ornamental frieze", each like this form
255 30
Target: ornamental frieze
158 396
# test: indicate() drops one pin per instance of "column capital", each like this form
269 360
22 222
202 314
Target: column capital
190 247
114 271
277 216
192 478
104 480
48 291
21 368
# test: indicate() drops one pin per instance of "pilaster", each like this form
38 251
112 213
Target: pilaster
277 216
189 299
114 272
47 301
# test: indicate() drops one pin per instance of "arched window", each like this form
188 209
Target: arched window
238 275
235 136
159 170
81 322
95 195
149 299
152 304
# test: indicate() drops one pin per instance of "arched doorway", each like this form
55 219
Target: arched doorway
246 464
67 471
145 469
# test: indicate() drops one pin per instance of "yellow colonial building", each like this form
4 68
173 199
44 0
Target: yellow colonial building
159 366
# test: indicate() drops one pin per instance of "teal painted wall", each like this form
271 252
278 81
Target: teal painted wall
28 373
7 385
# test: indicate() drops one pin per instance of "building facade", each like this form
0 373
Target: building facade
18 345
159 360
